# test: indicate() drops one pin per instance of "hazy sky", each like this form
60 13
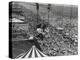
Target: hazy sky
55 8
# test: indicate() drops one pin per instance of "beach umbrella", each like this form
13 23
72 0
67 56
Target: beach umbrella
31 53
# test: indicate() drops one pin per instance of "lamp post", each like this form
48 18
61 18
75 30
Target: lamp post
37 8
49 7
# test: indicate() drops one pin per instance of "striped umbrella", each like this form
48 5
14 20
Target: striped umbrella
31 53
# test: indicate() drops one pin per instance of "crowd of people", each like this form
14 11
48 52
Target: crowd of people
60 39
